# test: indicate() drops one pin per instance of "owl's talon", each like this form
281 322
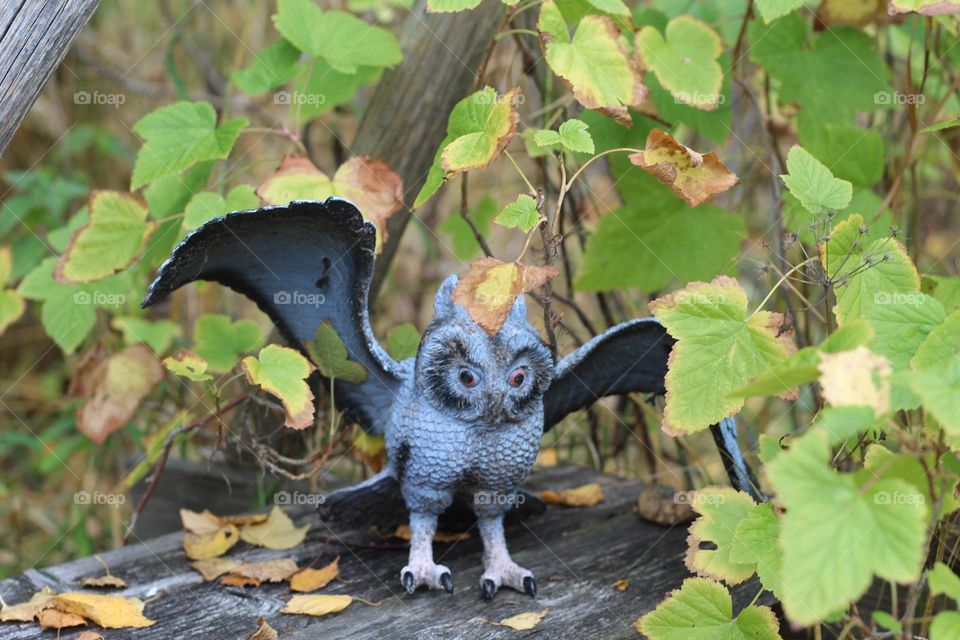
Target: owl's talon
446 581
425 573
406 578
488 587
530 586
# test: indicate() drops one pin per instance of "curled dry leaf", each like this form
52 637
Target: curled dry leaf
214 567
264 631
26 611
584 496
856 378
311 579
236 580
524 621
266 571
621 585
88 635
403 532
110 612
691 175
317 605
112 386
56 619
664 505
490 288
108 581
200 523
277 532
210 545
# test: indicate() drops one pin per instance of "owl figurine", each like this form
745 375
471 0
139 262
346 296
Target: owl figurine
463 419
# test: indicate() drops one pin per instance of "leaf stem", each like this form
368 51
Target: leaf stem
777 286
566 185
520 171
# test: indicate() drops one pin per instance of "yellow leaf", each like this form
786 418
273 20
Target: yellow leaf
110 612
200 523
210 545
524 621
214 568
278 532
490 287
584 496
89 635
856 378
55 619
26 611
242 520
691 175
312 579
317 605
264 631
546 457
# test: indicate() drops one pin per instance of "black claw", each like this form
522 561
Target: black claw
530 586
407 580
488 588
446 580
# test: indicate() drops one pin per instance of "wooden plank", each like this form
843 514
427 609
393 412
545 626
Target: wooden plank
34 38
576 554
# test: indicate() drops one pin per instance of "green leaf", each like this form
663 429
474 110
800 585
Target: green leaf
12 304
206 205
813 184
344 41
521 213
320 89
946 290
594 63
940 126
684 60
649 246
902 323
887 621
882 530
282 372
220 341
403 342
850 152
482 132
614 7
721 509
109 242
178 136
272 67
158 334
59 238
943 581
939 391
755 542
719 349
715 124
703 610
773 9
451 6
330 355
879 271
945 626
572 136
939 347
841 423
465 245
188 365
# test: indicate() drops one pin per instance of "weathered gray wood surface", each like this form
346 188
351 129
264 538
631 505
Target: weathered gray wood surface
34 37
576 554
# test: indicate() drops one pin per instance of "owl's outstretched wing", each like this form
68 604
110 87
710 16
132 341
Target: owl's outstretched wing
303 264
630 357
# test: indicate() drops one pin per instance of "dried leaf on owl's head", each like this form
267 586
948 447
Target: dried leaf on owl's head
490 288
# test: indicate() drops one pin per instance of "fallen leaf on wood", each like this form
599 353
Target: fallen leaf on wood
277 532
621 585
489 289
584 496
200 523
267 571
236 580
264 631
108 581
524 621
317 605
26 611
312 579
242 520
214 568
403 532
56 619
89 635
110 612
664 505
691 175
210 545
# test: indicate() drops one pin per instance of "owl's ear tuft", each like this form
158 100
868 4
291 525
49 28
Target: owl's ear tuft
443 303
518 312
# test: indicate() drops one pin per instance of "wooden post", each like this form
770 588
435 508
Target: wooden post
34 37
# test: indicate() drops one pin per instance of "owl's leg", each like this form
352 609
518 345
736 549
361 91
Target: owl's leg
421 569
498 569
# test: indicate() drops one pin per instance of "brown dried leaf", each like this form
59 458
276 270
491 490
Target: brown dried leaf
490 288
621 585
374 187
113 387
210 545
242 520
89 635
276 532
108 581
310 579
524 621
267 571
691 175
264 631
56 619
317 605
664 505
26 611
110 612
584 496
200 523
403 532
234 580
214 568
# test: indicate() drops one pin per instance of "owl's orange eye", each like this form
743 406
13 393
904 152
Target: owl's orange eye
517 377
468 378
